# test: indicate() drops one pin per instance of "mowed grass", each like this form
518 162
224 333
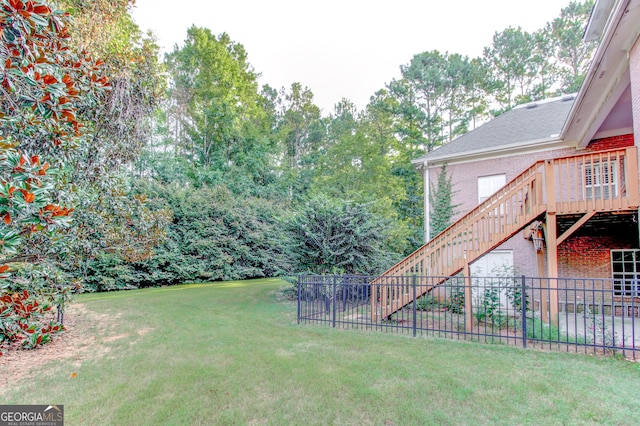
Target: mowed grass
231 353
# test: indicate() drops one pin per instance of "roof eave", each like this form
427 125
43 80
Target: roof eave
582 121
503 150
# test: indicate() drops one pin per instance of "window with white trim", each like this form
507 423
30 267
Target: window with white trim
625 266
488 185
600 180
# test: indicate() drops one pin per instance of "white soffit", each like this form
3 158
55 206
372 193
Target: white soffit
608 76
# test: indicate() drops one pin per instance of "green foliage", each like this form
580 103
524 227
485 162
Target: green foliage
217 130
45 90
442 95
108 272
23 321
360 164
511 59
599 332
572 53
88 119
213 236
515 297
300 126
433 96
331 236
216 107
426 303
537 329
230 161
290 292
501 280
488 305
440 198
455 301
506 277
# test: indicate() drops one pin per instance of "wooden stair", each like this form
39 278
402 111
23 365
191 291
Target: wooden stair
558 186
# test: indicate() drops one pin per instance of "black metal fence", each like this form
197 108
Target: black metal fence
581 315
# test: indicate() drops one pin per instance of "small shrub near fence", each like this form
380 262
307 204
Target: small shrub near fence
590 315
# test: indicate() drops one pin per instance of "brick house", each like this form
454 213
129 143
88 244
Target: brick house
563 172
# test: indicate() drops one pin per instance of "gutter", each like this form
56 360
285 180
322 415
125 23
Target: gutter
427 206
536 145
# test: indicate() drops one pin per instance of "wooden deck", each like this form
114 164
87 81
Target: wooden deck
586 184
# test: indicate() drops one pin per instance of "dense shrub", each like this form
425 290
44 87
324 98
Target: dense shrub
333 236
213 236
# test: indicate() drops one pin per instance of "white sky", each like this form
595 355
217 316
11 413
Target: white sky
342 48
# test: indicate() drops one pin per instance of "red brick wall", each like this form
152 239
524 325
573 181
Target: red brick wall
588 255
613 142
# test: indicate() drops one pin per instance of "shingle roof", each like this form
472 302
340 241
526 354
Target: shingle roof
528 122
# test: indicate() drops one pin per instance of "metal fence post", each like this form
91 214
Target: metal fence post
344 294
299 277
335 278
415 278
523 303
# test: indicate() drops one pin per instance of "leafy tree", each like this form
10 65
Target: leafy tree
300 125
300 131
571 54
216 89
410 210
476 102
103 27
217 133
45 88
381 122
511 60
459 81
44 91
356 166
545 79
110 218
332 236
437 98
425 86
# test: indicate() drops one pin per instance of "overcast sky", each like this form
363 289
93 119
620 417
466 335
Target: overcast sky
342 48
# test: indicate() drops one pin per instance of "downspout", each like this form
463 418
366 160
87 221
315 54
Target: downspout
427 207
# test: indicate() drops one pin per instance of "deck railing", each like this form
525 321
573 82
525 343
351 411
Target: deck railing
603 181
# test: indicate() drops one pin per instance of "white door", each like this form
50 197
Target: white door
486 272
494 263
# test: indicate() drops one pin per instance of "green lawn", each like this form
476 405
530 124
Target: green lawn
231 353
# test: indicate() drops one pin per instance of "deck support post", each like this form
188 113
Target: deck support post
468 306
552 267
542 273
551 238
